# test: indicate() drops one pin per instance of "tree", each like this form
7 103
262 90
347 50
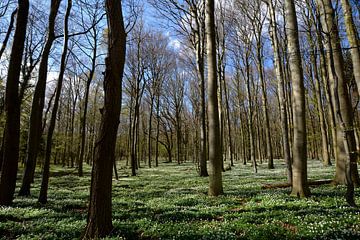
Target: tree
12 108
299 182
215 155
99 216
35 128
46 168
273 32
346 166
353 37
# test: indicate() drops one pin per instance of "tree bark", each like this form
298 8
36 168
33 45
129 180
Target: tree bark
36 126
299 183
84 118
216 187
353 38
341 100
99 223
281 90
12 109
46 168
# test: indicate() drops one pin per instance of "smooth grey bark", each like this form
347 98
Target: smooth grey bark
215 158
300 187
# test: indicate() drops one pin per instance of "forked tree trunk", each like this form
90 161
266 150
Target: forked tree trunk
216 187
12 109
300 187
99 222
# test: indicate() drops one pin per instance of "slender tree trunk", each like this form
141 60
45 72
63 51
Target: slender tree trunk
300 187
36 126
8 32
84 118
215 157
46 168
231 149
319 104
281 91
157 130
99 223
12 109
150 130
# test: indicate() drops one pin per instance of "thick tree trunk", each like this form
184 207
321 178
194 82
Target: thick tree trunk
215 157
12 109
299 183
46 168
353 37
341 101
36 126
99 223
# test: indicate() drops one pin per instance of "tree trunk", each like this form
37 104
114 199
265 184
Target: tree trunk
353 38
341 101
281 91
324 140
46 168
36 126
84 118
99 223
299 183
215 157
150 130
12 108
8 32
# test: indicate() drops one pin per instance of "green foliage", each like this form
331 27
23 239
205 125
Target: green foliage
170 202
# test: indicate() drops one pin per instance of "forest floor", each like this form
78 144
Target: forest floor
170 202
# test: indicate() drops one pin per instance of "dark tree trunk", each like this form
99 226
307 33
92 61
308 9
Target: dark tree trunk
99 223
46 168
36 126
12 109
8 32
84 118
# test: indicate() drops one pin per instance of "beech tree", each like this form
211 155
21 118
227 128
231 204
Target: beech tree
299 182
99 223
215 155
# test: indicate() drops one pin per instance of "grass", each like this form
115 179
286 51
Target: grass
170 202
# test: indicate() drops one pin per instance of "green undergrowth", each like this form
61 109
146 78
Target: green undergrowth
171 202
